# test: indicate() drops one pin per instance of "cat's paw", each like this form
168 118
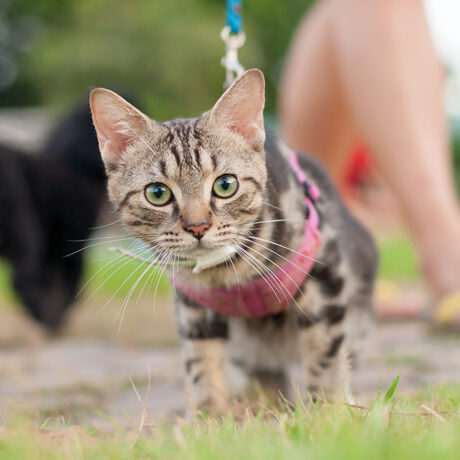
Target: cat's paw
210 407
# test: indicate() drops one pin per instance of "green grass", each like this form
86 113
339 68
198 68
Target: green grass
398 260
392 428
7 294
119 277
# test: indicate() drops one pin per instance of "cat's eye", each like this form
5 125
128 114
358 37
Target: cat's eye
225 186
158 194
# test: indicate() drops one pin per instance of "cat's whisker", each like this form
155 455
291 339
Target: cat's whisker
266 203
130 293
120 259
260 271
116 292
144 286
280 268
95 244
157 272
105 266
269 271
100 238
173 275
106 225
272 277
108 278
236 272
152 278
161 271
149 263
287 248
233 266
276 254
249 224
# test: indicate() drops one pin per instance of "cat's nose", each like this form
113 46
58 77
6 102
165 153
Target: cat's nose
198 230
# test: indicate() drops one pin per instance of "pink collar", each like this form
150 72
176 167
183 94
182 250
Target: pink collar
256 298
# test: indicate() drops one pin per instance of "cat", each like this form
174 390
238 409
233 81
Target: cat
221 192
48 203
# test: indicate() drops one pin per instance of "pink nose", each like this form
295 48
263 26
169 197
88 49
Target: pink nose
198 230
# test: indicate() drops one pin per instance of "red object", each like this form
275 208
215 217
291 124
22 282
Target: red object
360 166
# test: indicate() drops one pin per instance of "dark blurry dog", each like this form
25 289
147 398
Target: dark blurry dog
47 201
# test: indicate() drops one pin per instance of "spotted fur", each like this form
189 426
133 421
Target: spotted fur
264 220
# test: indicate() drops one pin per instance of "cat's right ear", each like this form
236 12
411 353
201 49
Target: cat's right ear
117 123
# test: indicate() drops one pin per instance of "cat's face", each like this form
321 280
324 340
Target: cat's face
186 186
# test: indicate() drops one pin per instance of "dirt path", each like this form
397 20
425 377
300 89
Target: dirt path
88 380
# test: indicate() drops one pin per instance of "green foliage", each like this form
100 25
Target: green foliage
455 128
108 274
422 429
166 52
398 260
389 395
7 295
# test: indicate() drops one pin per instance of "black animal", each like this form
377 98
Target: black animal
47 201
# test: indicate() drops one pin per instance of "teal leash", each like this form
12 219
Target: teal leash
234 18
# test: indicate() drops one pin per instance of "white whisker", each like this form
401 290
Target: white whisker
124 282
260 271
276 254
95 244
162 269
269 271
267 222
284 271
106 225
287 248
124 305
123 261
266 203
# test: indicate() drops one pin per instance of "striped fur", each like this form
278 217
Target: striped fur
264 220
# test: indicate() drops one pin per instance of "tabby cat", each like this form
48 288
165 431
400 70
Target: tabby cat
221 192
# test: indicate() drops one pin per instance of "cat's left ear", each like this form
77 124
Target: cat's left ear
240 108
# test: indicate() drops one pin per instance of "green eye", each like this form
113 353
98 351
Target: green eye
158 194
225 186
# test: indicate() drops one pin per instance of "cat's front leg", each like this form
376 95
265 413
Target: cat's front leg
324 355
204 336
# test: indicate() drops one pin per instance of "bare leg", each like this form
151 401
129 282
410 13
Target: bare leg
371 64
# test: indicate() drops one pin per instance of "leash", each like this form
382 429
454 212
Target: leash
234 37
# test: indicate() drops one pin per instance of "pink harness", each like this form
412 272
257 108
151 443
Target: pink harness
271 293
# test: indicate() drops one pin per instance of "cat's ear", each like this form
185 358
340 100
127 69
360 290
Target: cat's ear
117 123
241 107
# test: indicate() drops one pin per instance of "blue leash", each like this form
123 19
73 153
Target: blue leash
233 36
234 19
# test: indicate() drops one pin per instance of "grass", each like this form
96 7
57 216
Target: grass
392 428
398 261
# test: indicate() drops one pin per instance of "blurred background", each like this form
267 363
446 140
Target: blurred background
166 54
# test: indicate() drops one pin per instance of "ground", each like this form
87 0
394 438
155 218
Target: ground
88 374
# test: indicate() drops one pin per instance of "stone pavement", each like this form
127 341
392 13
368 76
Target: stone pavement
91 380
